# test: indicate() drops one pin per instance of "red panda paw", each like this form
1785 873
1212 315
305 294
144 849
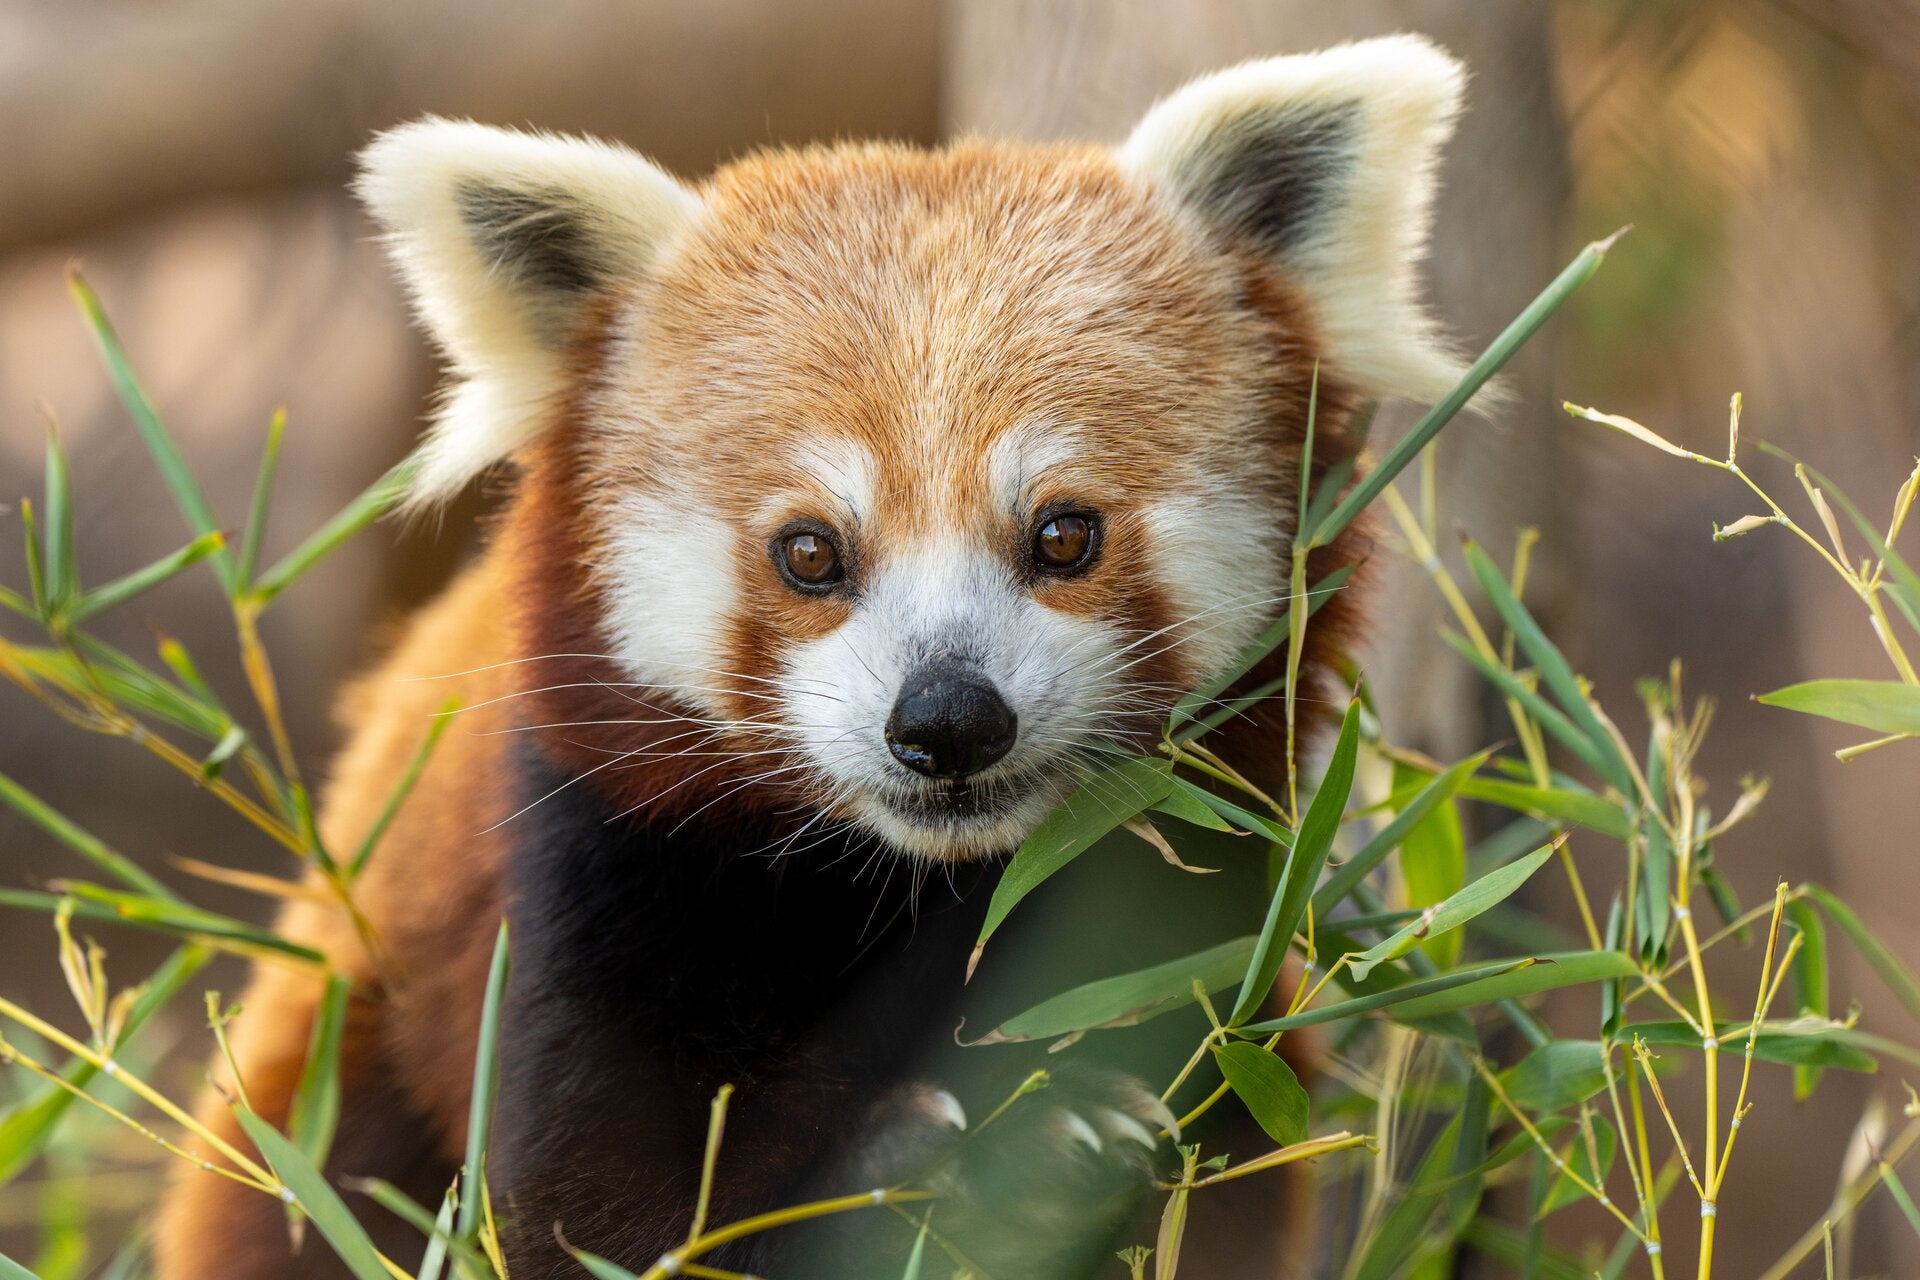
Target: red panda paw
1039 1191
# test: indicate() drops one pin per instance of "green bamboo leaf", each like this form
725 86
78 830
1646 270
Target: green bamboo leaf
11 1270
1809 977
1129 998
85 843
1465 988
1549 718
600 1267
1490 889
375 501
438 1229
1892 970
1105 800
316 1198
915 1258
1374 852
1433 867
1301 875
190 924
1269 1088
1898 1191
160 444
1558 1075
1511 339
403 788
1552 666
1554 804
1885 706
1403 1232
1810 1042
1188 803
123 589
316 1100
26 1126
262 493
62 577
486 1084
36 566
434 1260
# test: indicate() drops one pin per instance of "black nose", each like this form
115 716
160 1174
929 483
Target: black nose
950 722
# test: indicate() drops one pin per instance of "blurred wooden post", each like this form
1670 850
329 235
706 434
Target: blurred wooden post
1088 68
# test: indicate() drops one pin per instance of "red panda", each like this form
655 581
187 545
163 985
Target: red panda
863 497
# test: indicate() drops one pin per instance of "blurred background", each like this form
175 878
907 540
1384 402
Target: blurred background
192 155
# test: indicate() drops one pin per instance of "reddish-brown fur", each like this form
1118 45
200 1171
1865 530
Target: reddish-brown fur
741 370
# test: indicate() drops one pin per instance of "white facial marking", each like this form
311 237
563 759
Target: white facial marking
668 633
1018 459
1221 558
951 600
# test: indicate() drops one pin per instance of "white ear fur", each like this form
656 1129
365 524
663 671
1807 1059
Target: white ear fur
1325 161
503 238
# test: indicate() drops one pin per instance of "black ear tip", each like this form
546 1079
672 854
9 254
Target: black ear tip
537 235
1276 172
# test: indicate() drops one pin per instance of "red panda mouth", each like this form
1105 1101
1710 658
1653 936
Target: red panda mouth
958 800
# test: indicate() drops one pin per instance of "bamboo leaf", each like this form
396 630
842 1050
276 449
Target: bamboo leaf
86 844
1465 988
315 1113
1809 976
1558 1075
1552 666
375 501
402 789
316 1198
1129 998
486 1083
1493 888
159 441
1892 970
1355 869
1885 706
1555 804
62 578
1185 802
123 589
1269 1088
262 493
1301 874
1433 867
1103 801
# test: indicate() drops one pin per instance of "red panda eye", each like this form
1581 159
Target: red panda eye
809 559
1064 542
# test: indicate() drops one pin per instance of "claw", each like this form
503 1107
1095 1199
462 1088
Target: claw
1127 1127
1157 1112
946 1109
1078 1130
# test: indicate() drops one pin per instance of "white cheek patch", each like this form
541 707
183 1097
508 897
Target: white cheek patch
670 592
1062 676
1020 456
1222 559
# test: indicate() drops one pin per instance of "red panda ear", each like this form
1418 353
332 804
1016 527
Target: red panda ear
1324 162
504 239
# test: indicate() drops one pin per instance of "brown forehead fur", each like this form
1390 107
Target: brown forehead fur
920 305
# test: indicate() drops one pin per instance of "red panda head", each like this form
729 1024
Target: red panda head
925 478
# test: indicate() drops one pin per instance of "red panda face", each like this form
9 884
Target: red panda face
931 478
945 472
